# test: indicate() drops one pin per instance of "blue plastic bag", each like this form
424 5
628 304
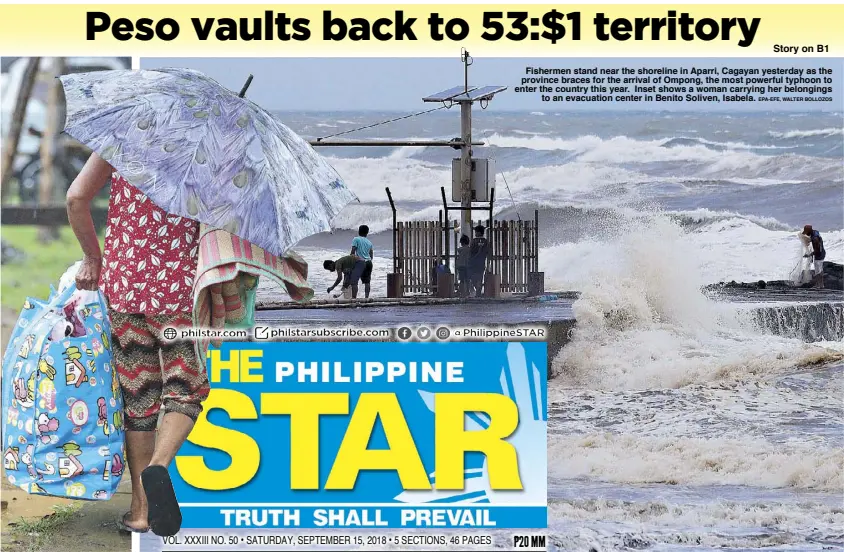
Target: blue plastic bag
62 404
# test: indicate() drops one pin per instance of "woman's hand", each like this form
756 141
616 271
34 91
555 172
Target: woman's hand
88 276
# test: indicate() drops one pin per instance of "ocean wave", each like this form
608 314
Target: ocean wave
787 167
521 132
807 133
690 461
702 216
570 180
404 152
642 318
791 515
700 160
379 218
720 242
601 524
409 179
727 145
577 182
789 408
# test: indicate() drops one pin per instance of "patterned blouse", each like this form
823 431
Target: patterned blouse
149 258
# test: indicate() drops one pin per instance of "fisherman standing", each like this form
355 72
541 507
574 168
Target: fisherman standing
478 251
362 248
818 254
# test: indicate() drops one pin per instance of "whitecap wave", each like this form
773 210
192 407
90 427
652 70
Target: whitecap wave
689 461
702 161
642 319
807 133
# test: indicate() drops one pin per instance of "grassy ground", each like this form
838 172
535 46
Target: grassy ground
37 523
32 535
42 266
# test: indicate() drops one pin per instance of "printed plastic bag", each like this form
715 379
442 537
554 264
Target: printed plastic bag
62 405
69 276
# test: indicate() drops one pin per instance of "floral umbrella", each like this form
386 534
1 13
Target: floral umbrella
201 151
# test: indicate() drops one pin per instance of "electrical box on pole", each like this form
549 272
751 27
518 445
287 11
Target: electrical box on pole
482 180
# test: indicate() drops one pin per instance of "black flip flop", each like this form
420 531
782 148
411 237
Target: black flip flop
126 528
165 517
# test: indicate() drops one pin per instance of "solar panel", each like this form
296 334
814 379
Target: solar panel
446 95
483 93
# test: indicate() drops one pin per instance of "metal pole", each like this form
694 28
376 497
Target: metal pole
489 236
243 90
536 238
438 245
447 227
393 207
445 230
466 154
491 203
466 168
466 71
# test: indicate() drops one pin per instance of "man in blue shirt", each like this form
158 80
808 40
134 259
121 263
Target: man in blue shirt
362 248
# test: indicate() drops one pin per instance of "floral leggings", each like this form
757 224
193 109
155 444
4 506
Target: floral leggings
154 371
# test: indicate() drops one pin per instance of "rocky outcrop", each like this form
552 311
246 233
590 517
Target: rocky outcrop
833 274
782 308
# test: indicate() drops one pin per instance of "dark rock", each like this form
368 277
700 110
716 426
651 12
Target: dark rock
833 275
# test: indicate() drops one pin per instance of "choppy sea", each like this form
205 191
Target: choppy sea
677 424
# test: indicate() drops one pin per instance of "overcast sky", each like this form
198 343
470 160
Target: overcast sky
348 84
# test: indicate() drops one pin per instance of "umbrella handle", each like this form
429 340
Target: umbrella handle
245 86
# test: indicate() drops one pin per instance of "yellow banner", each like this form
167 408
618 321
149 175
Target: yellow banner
356 30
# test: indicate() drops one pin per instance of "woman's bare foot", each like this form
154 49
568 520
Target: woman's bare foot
136 517
134 524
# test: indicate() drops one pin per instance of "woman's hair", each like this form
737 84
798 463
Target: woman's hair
464 240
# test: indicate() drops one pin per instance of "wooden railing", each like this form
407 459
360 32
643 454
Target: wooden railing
514 252
421 245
